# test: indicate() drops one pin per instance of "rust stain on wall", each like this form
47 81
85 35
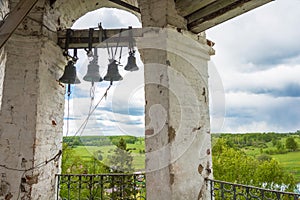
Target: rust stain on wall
171 134
149 131
172 174
200 169
204 94
30 180
208 151
172 177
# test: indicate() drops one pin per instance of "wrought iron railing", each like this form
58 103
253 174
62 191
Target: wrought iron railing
101 186
225 190
132 187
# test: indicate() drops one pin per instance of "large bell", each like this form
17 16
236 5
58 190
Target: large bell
113 72
69 76
131 64
93 74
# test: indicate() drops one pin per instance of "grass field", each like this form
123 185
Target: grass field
290 162
86 153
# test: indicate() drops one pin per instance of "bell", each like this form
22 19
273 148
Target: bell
131 64
92 74
69 76
113 72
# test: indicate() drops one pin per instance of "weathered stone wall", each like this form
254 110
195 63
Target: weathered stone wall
49 121
31 117
178 140
157 13
178 136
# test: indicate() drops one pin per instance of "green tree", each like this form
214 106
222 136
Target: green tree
121 159
234 165
121 162
97 166
291 144
274 142
74 164
279 145
71 163
264 157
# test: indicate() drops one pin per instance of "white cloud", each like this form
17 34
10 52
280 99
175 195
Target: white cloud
263 36
108 17
257 57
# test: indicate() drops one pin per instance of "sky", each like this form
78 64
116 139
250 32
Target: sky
254 76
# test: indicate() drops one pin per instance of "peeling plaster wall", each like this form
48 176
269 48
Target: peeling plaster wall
18 113
178 139
157 13
31 117
189 116
49 119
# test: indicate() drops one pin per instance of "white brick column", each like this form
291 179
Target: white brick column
31 117
32 108
178 140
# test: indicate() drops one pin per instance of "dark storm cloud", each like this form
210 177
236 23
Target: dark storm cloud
290 90
280 114
272 58
286 114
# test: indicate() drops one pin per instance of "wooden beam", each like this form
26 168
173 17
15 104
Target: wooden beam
219 17
126 5
80 38
14 18
186 7
211 8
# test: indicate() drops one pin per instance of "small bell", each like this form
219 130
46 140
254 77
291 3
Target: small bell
131 64
113 72
92 74
69 76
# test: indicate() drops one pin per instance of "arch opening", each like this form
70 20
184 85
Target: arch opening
121 112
